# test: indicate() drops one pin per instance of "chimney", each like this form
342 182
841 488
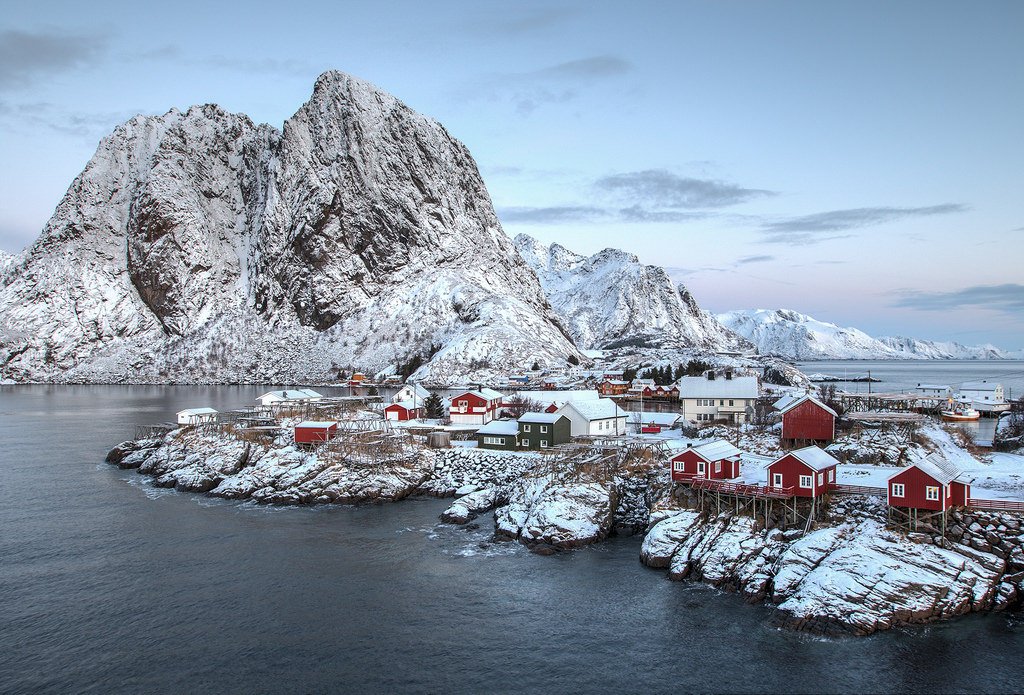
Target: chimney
711 375
689 444
728 374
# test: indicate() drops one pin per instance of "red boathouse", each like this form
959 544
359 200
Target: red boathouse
810 471
933 483
806 420
313 431
401 411
717 460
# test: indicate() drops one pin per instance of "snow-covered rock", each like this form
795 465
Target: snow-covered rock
544 510
201 246
611 300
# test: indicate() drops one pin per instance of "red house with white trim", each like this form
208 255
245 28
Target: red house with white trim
717 460
933 483
810 471
314 431
806 420
475 407
401 411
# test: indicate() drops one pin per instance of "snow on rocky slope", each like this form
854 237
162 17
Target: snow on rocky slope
611 300
795 336
201 246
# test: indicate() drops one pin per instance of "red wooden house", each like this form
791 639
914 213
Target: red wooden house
475 407
933 483
806 420
401 411
612 387
810 471
716 460
314 431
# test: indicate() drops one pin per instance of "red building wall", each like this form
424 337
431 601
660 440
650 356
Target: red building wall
915 481
792 468
691 460
311 435
808 421
403 413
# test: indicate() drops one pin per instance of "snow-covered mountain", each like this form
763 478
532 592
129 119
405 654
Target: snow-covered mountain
201 246
7 262
796 336
611 300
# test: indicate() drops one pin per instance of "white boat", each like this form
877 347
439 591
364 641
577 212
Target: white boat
959 412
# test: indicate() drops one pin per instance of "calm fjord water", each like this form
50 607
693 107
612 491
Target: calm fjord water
110 586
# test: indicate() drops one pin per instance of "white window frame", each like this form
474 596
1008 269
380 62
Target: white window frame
931 493
807 482
500 441
524 442
526 428
701 468
898 490
821 478
831 475
776 479
718 466
543 444
730 401
543 429
679 465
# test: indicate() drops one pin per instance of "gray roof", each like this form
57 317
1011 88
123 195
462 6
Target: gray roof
803 399
486 394
702 387
500 427
937 467
716 450
596 409
293 394
197 411
319 424
813 457
541 417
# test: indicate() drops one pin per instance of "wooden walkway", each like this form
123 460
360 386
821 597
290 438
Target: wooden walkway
996 505
742 489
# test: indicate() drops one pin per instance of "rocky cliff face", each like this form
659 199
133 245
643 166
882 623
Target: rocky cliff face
611 300
200 246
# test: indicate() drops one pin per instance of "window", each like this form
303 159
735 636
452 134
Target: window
543 444
678 466
931 492
701 467
777 480
832 475
494 440
949 491
821 478
718 466
730 401
806 481
526 428
721 402
524 442
543 429
897 489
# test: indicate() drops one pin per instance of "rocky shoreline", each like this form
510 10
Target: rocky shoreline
848 574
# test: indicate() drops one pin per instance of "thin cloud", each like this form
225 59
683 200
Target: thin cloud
597 67
1008 298
27 56
661 188
802 238
521 24
550 215
839 220
637 213
755 259
86 125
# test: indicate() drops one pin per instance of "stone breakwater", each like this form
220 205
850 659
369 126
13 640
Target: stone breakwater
849 574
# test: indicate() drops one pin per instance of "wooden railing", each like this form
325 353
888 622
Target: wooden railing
996 505
857 490
741 489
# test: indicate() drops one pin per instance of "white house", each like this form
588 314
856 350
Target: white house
289 396
196 416
475 407
411 392
599 416
710 397
933 390
981 392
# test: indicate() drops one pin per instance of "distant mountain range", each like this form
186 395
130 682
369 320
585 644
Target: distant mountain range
798 337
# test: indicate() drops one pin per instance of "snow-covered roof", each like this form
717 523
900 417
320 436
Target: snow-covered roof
803 399
502 427
600 409
785 400
318 424
933 387
643 382
291 394
937 467
702 387
197 411
645 418
486 394
408 405
717 450
541 417
421 393
615 382
813 457
978 386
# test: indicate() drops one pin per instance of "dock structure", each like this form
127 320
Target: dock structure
891 402
760 501
903 424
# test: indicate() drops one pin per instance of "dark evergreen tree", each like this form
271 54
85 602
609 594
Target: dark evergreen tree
434 406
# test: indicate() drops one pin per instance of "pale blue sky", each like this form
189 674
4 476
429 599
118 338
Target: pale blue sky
862 162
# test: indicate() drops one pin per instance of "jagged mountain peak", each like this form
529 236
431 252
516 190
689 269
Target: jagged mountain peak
611 300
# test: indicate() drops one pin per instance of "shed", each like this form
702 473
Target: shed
498 434
543 430
806 420
931 483
716 460
810 471
289 396
315 431
401 411
196 416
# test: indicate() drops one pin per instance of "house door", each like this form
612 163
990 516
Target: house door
701 467
776 479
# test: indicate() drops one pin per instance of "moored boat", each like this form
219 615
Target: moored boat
959 412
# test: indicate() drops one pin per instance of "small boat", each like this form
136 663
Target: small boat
959 412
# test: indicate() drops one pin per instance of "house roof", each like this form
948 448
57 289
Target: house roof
318 424
978 386
804 399
702 387
810 456
932 387
645 418
197 411
598 409
549 418
401 404
291 394
643 382
421 393
785 400
501 427
937 467
716 450
615 382
485 394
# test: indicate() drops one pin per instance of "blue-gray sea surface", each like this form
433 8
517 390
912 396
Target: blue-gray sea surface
108 585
